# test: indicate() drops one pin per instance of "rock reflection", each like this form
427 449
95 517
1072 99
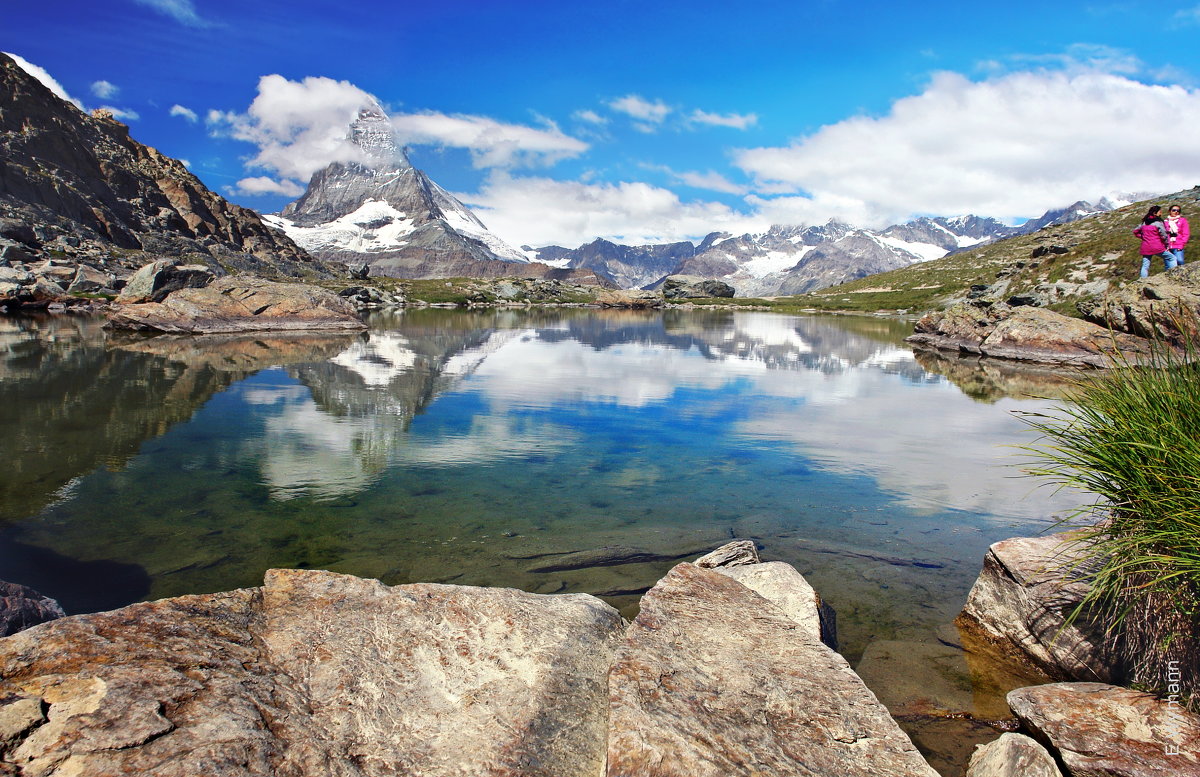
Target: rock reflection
990 380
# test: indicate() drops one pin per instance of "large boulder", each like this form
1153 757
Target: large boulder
713 679
628 298
1027 334
1019 609
694 287
240 304
154 281
314 674
1100 730
22 607
1012 755
1165 306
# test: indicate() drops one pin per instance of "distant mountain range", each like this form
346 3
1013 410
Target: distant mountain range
796 259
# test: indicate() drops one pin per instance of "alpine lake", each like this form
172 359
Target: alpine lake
552 450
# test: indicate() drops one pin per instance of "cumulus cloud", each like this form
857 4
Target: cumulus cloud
260 185
105 89
590 116
298 126
123 114
491 143
649 114
1010 147
182 11
45 78
709 179
187 113
541 211
734 120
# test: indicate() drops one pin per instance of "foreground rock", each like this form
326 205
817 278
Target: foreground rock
1027 334
22 607
1166 306
1100 730
1012 755
240 304
713 679
314 674
636 299
1019 605
155 281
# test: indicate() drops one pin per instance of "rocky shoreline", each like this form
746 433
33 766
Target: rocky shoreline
726 670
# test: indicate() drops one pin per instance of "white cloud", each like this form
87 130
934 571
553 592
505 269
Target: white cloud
491 143
541 211
182 11
590 116
734 120
1188 14
45 78
298 126
259 185
648 113
123 114
104 89
187 113
1009 147
710 179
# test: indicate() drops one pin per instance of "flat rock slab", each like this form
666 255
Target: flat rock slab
315 674
1100 730
712 679
1019 606
240 304
1012 755
783 586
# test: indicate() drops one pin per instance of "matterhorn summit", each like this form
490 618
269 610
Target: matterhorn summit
377 209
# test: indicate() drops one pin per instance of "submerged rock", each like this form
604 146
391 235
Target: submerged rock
240 304
713 679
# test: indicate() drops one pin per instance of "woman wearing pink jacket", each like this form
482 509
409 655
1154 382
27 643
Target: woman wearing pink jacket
1154 237
1178 233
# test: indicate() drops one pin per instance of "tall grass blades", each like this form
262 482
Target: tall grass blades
1131 435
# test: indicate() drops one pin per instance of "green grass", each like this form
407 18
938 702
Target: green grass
1132 436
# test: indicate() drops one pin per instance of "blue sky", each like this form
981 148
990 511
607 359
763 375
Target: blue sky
560 122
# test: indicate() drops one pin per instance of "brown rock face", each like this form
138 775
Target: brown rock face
314 674
240 304
1026 334
1012 755
1019 606
1100 730
712 679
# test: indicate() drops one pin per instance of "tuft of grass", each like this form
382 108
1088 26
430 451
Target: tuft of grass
1131 435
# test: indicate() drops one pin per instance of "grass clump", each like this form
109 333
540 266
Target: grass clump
1131 435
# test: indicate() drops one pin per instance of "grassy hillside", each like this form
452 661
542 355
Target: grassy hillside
1097 248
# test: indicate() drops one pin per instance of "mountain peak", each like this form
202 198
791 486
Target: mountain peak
372 132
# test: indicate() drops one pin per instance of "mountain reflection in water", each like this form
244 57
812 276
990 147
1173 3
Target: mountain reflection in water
555 451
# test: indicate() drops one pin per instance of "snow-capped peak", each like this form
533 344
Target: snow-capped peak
372 132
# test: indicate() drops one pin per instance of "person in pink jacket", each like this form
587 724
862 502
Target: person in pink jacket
1154 237
1178 233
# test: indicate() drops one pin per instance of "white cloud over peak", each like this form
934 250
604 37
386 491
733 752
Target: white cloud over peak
542 211
734 120
259 185
1009 147
104 89
491 143
44 78
187 113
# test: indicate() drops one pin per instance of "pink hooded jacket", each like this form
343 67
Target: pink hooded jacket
1182 232
1154 238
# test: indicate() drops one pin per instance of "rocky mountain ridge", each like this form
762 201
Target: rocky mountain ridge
788 260
78 190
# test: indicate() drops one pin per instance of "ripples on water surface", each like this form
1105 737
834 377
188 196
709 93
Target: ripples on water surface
483 448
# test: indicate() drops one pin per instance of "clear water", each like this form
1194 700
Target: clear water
501 448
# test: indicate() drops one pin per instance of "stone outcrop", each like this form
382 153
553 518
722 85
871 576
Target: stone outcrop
240 304
1099 730
1019 606
22 607
1027 334
156 280
694 287
713 679
1164 306
314 674
1012 755
79 187
636 299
